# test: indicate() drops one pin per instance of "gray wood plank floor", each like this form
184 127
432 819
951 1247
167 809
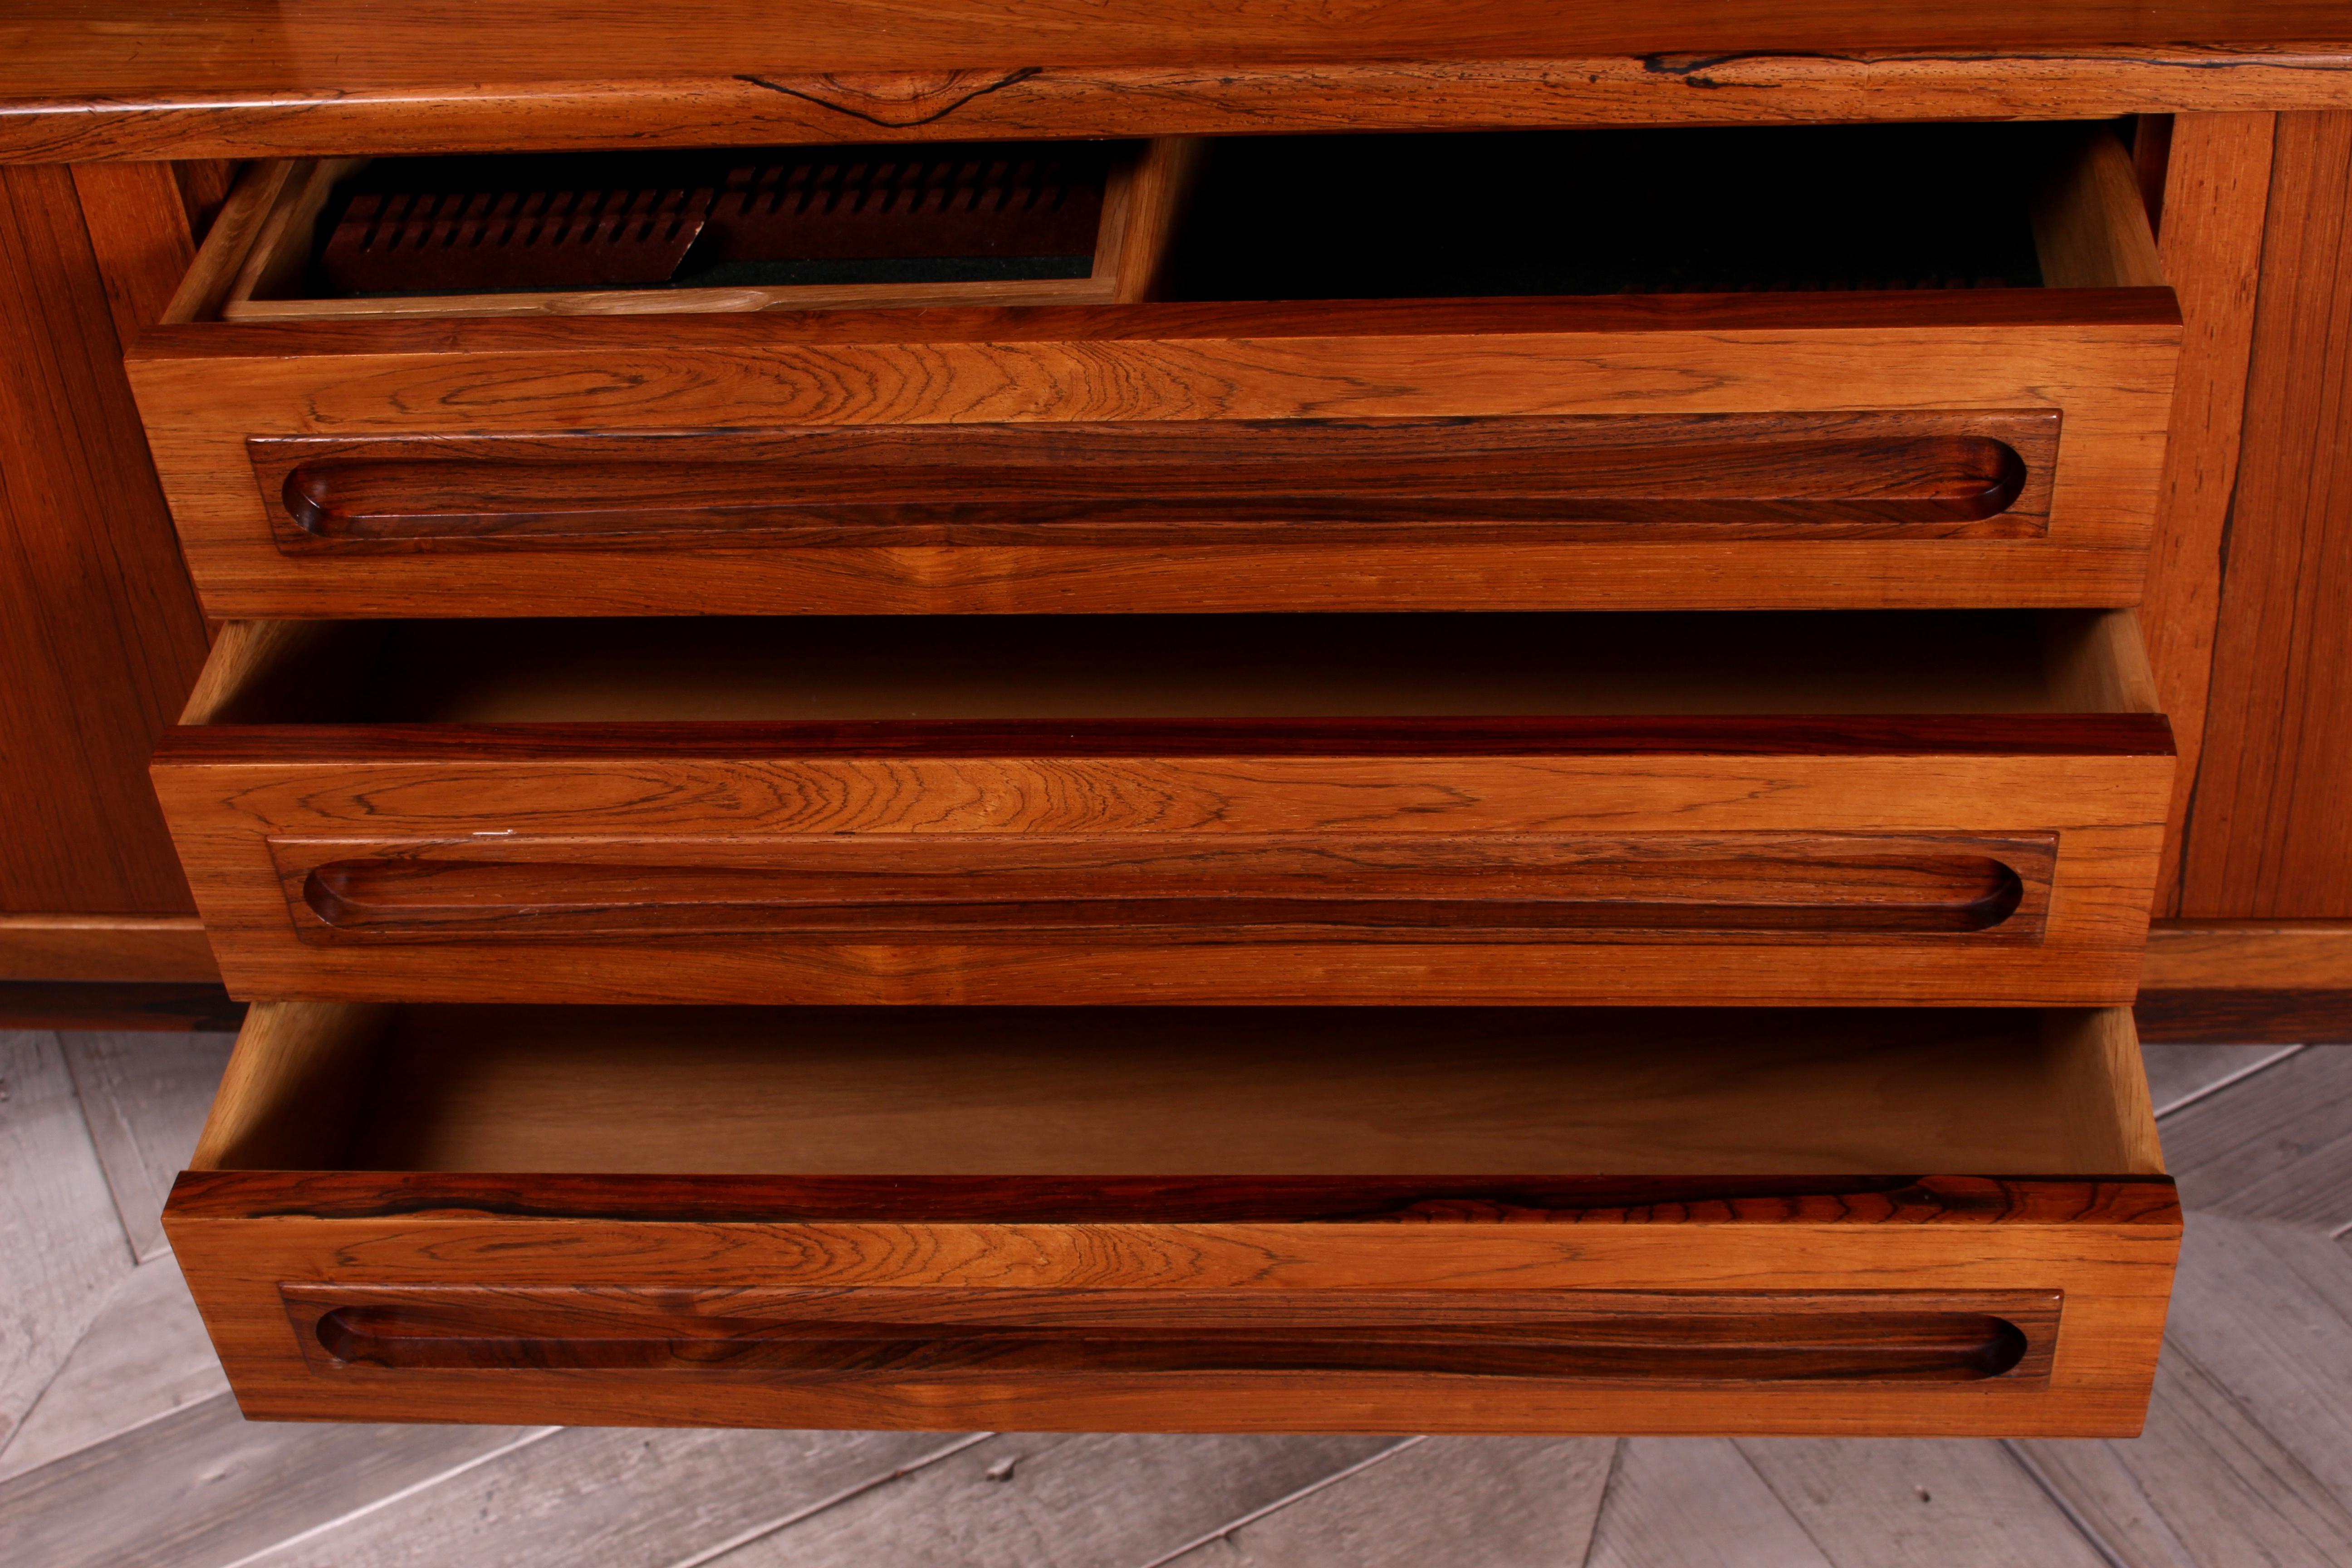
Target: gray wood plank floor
120 1445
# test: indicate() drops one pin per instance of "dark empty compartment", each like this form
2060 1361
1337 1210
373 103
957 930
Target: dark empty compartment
1605 212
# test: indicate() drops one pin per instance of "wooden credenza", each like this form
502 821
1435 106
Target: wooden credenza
1480 737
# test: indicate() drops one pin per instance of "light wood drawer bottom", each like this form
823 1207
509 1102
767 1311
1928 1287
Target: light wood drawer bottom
1853 1221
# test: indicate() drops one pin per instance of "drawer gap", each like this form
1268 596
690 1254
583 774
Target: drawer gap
1021 668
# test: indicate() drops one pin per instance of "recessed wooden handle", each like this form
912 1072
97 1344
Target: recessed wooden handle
1662 1337
1798 474
1431 888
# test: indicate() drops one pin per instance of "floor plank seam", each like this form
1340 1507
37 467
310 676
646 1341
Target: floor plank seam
1600 1508
527 1439
762 1531
2090 1532
1278 1504
1739 1447
2208 1091
141 1425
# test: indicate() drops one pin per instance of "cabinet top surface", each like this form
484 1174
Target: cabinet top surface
135 78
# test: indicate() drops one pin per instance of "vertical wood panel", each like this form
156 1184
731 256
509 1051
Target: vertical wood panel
137 217
2216 193
100 634
2271 826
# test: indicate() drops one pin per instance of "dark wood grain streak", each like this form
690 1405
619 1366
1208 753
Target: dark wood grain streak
1871 1337
940 886
1793 476
330 76
2228 1015
1189 320
2268 833
935 379
2218 173
140 231
1957 734
1371 1200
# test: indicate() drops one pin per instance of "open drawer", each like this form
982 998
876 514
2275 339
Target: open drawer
1717 807
1822 426
1414 1219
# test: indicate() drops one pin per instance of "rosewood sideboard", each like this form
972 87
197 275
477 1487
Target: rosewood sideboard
1474 716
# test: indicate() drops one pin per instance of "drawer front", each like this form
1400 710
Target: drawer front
1959 858
1650 452
1937 1305
1178 1218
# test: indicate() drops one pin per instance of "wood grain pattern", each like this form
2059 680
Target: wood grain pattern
1282 377
100 633
2138 735
1525 479
1295 858
2218 182
1483 1096
331 76
2103 1090
940 886
2249 955
2232 1014
203 1193
288 1055
2091 223
2267 835
2214 980
140 234
65 947
1713 1337
232 238
1204 1251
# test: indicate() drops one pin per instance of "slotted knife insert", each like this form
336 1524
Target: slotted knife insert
454 226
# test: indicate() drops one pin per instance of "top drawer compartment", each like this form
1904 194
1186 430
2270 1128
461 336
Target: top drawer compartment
1845 427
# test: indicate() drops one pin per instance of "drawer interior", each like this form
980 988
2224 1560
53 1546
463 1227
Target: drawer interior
699 230
1706 210
1045 667
1268 1091
1773 208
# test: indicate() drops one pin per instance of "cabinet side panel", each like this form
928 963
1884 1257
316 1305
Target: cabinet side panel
100 632
2217 190
2269 836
